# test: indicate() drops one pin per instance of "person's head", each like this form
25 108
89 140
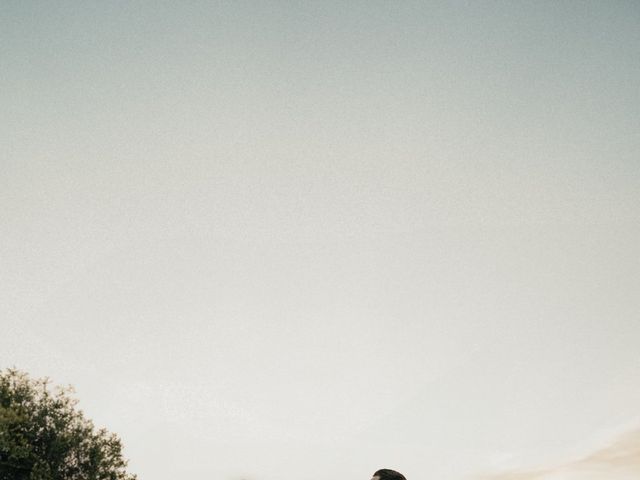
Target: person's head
386 474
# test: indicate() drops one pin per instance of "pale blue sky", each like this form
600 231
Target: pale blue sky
297 241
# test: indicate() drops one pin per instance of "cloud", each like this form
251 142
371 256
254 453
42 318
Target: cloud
618 461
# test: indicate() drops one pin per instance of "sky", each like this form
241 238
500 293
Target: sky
620 459
303 240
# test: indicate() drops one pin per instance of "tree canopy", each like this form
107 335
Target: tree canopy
43 436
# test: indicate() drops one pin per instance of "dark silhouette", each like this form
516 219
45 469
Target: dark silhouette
386 474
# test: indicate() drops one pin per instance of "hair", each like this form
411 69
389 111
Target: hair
386 474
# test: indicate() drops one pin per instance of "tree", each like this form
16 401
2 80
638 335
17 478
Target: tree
43 436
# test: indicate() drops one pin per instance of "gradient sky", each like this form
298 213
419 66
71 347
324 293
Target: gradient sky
300 240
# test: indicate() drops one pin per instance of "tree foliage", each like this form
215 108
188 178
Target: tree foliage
43 436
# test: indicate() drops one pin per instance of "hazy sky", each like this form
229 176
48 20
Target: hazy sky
307 240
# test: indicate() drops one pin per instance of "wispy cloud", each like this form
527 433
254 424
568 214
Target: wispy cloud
620 460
